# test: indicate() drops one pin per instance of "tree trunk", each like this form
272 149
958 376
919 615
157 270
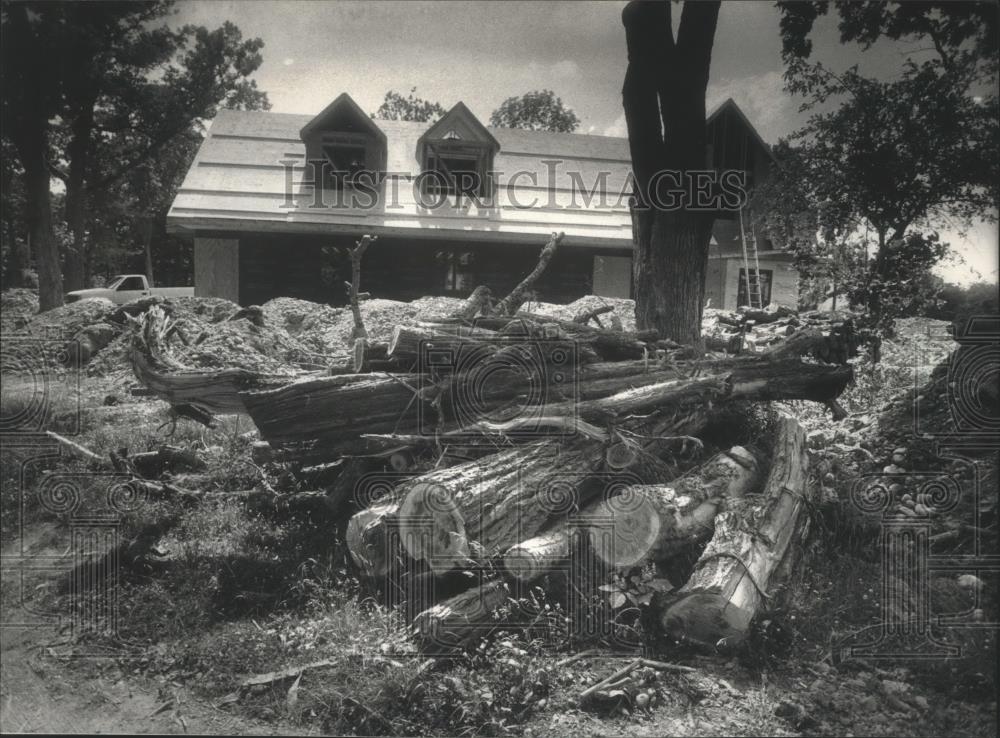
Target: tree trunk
39 216
664 102
475 510
76 197
733 575
147 246
643 522
670 269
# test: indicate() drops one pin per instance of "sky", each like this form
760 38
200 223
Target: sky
483 52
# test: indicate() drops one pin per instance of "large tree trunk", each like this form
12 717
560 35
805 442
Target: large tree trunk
644 521
26 122
39 216
664 101
475 510
670 268
76 197
733 575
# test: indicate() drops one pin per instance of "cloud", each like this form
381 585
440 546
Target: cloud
565 69
288 61
762 97
618 128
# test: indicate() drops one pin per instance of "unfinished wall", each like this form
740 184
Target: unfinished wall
217 268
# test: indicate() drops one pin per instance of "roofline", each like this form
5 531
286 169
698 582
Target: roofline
237 226
459 108
342 99
730 103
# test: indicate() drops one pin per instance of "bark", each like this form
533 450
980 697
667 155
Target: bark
147 246
643 522
460 619
28 108
664 101
670 268
78 151
733 576
41 237
448 517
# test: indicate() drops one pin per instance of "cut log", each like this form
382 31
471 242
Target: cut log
733 575
459 620
407 341
643 522
499 500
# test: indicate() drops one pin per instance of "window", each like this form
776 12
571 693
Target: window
343 162
458 273
130 283
765 287
458 170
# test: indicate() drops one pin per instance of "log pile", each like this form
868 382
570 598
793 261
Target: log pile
513 443
780 331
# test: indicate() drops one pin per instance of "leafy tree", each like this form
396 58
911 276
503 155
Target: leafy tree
664 101
540 110
890 157
93 91
411 107
957 303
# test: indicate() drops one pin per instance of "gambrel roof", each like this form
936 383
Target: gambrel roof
249 176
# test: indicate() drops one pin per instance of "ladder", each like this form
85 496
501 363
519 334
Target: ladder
754 297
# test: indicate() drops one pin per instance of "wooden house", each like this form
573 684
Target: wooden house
269 197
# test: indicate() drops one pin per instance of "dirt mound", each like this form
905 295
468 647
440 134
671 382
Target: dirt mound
205 309
623 309
266 349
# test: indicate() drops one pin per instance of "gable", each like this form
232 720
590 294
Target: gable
459 126
343 115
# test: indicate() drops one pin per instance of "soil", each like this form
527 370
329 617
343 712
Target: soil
42 691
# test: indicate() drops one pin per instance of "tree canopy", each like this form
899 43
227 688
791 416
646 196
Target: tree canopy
540 110
411 107
95 92
860 187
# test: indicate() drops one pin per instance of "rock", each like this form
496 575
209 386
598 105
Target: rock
893 469
868 704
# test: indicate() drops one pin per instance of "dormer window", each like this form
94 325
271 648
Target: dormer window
341 144
458 169
345 157
456 155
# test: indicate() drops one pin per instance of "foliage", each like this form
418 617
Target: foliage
540 110
957 303
857 190
411 108
121 115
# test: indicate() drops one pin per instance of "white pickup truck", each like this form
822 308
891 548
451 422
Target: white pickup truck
127 287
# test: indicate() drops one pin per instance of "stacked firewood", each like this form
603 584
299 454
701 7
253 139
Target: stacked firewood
508 443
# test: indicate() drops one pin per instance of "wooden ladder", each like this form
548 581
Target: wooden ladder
754 297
